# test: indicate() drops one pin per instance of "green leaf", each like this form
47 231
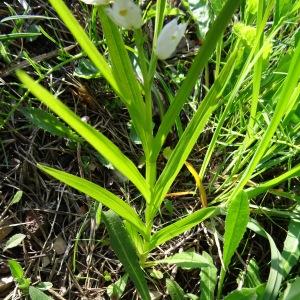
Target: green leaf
116 290
86 69
235 225
190 260
36 294
245 294
191 134
124 74
98 193
13 36
292 292
208 278
200 14
252 278
16 269
211 40
265 186
181 226
14 241
85 43
44 285
17 198
275 275
49 123
291 248
101 143
122 245
174 289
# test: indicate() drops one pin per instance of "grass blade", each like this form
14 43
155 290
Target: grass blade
181 226
281 108
292 291
208 276
98 193
211 40
101 143
126 253
263 187
191 133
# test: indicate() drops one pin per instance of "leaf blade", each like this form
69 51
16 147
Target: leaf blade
98 193
125 251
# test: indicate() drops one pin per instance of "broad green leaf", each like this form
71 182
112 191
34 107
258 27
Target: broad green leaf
190 260
291 248
36 294
208 279
275 275
181 226
174 290
116 290
86 44
122 245
200 13
235 225
101 143
14 241
211 40
292 292
98 193
16 269
49 123
18 275
245 294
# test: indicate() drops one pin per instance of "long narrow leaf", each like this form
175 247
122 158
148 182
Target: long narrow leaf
84 41
191 133
291 248
124 74
181 226
98 193
281 107
101 143
211 40
263 187
275 275
123 247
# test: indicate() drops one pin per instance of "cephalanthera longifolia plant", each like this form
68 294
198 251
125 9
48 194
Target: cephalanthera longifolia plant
133 237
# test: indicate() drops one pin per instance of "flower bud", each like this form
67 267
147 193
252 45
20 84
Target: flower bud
96 2
126 13
169 39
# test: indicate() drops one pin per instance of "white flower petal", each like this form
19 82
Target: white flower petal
169 39
126 13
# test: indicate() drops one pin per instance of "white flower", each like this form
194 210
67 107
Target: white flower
126 13
96 2
169 39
